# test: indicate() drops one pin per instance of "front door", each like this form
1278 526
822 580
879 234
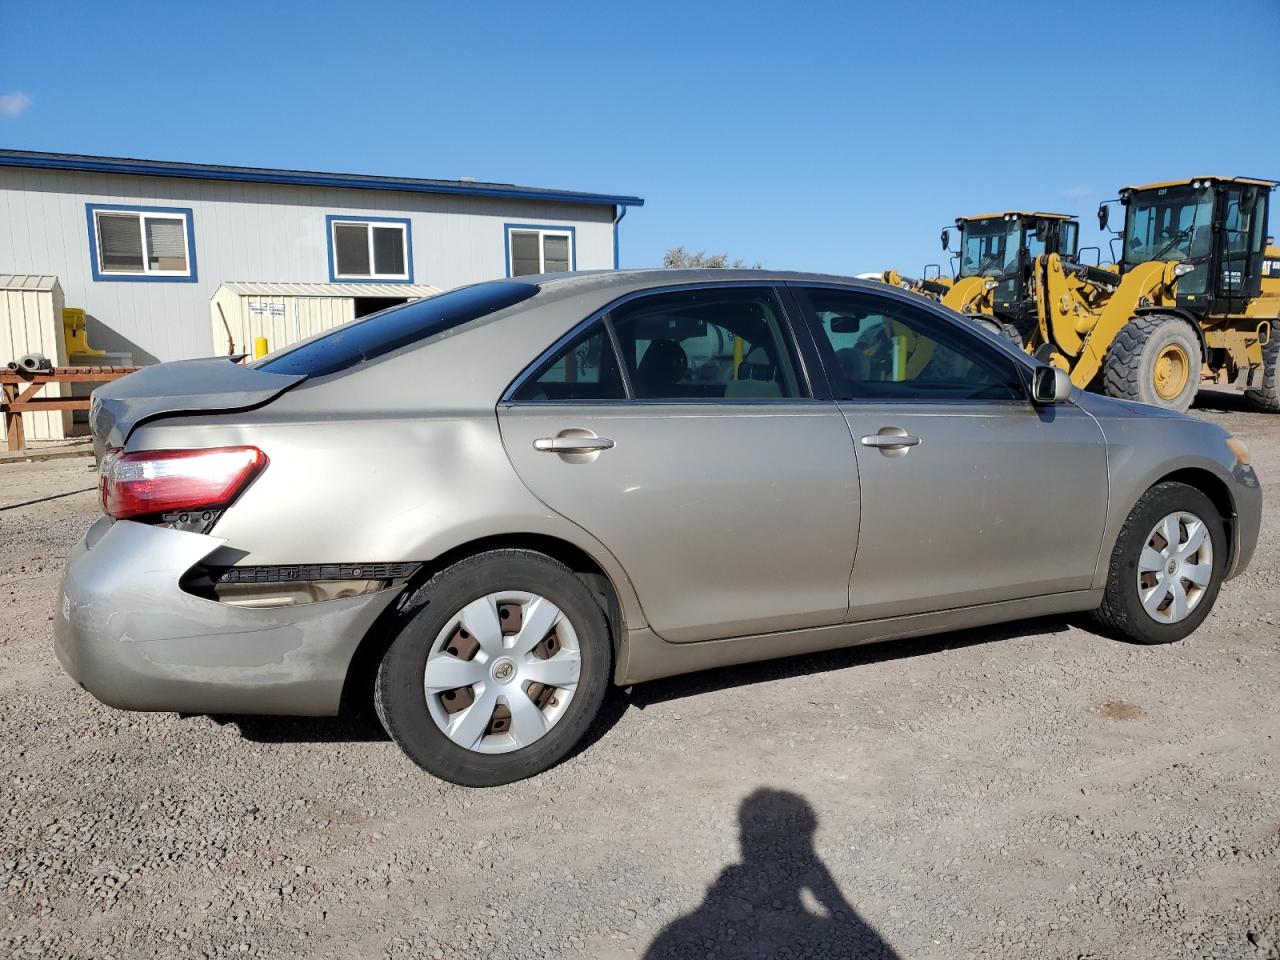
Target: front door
970 494
727 494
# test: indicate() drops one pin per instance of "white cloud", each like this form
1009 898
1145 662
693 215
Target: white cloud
1077 193
14 105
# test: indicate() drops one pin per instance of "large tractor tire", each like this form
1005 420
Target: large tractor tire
1001 329
1155 359
1267 397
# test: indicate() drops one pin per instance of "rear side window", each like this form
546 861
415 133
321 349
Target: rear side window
381 333
727 343
587 369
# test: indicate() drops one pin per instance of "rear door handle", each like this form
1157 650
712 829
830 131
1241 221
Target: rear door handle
572 444
891 441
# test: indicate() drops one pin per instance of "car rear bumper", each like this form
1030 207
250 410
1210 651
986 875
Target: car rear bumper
128 633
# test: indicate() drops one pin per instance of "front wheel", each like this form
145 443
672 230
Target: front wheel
1154 359
1166 568
500 673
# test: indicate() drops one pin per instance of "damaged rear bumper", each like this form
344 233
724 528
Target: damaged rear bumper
128 633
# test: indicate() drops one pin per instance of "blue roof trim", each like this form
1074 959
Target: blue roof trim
199 171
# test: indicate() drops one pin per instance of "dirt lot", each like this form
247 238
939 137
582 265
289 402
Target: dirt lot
1027 791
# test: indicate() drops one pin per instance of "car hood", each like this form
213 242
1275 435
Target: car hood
215 384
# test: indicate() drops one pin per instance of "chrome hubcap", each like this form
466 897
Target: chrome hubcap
502 672
1175 567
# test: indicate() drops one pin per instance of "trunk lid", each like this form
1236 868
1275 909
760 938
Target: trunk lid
211 385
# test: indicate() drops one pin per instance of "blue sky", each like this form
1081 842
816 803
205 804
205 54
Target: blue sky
835 137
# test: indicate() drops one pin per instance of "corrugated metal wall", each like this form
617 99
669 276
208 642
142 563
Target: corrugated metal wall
31 322
249 231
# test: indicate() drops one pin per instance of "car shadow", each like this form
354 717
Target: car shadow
758 908
360 724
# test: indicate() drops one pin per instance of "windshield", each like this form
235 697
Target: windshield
1172 223
989 248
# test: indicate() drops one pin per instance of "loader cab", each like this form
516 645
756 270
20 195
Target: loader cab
1216 226
1004 246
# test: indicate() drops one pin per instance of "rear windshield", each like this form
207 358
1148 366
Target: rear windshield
381 333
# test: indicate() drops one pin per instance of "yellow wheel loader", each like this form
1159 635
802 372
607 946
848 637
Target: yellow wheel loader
996 257
1194 297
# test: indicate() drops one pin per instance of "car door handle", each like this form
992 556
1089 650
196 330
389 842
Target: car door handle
890 441
572 444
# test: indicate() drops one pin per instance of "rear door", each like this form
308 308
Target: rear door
702 461
970 494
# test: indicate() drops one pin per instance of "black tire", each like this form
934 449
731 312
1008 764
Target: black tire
398 692
1130 369
1012 334
1121 614
1267 397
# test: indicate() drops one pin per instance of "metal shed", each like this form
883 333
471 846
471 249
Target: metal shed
31 322
287 312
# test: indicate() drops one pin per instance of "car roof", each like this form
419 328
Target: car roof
625 281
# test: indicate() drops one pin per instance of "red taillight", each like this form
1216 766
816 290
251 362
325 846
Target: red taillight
151 482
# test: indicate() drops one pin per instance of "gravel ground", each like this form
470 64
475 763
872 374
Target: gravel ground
1026 791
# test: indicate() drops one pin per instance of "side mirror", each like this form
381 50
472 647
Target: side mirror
946 238
1050 385
1104 215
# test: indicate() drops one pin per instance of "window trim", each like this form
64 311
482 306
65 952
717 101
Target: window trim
332 220
814 389
101 275
543 230
1020 362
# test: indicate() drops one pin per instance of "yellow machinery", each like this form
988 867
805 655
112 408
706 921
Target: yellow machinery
1194 297
996 259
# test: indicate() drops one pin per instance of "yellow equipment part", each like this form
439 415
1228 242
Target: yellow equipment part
1081 317
970 295
75 331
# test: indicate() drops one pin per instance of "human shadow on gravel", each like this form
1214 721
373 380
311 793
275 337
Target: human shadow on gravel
755 908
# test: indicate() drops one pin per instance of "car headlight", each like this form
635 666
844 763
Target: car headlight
1239 449
1182 269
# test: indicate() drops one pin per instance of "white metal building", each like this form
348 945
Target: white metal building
143 245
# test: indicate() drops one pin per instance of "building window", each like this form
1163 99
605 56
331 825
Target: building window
141 243
370 249
537 249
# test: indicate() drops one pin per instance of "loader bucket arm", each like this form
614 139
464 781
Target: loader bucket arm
1082 309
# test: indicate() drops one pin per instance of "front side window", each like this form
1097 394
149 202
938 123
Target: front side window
880 349
713 344
369 249
130 243
532 250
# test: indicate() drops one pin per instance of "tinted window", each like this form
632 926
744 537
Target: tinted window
723 344
587 369
381 333
884 350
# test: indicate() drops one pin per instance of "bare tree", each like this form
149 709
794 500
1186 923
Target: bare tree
677 259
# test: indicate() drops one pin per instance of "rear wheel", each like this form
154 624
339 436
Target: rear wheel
500 673
1154 359
1166 567
1267 397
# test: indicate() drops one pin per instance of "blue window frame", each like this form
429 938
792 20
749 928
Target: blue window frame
369 249
532 248
141 244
